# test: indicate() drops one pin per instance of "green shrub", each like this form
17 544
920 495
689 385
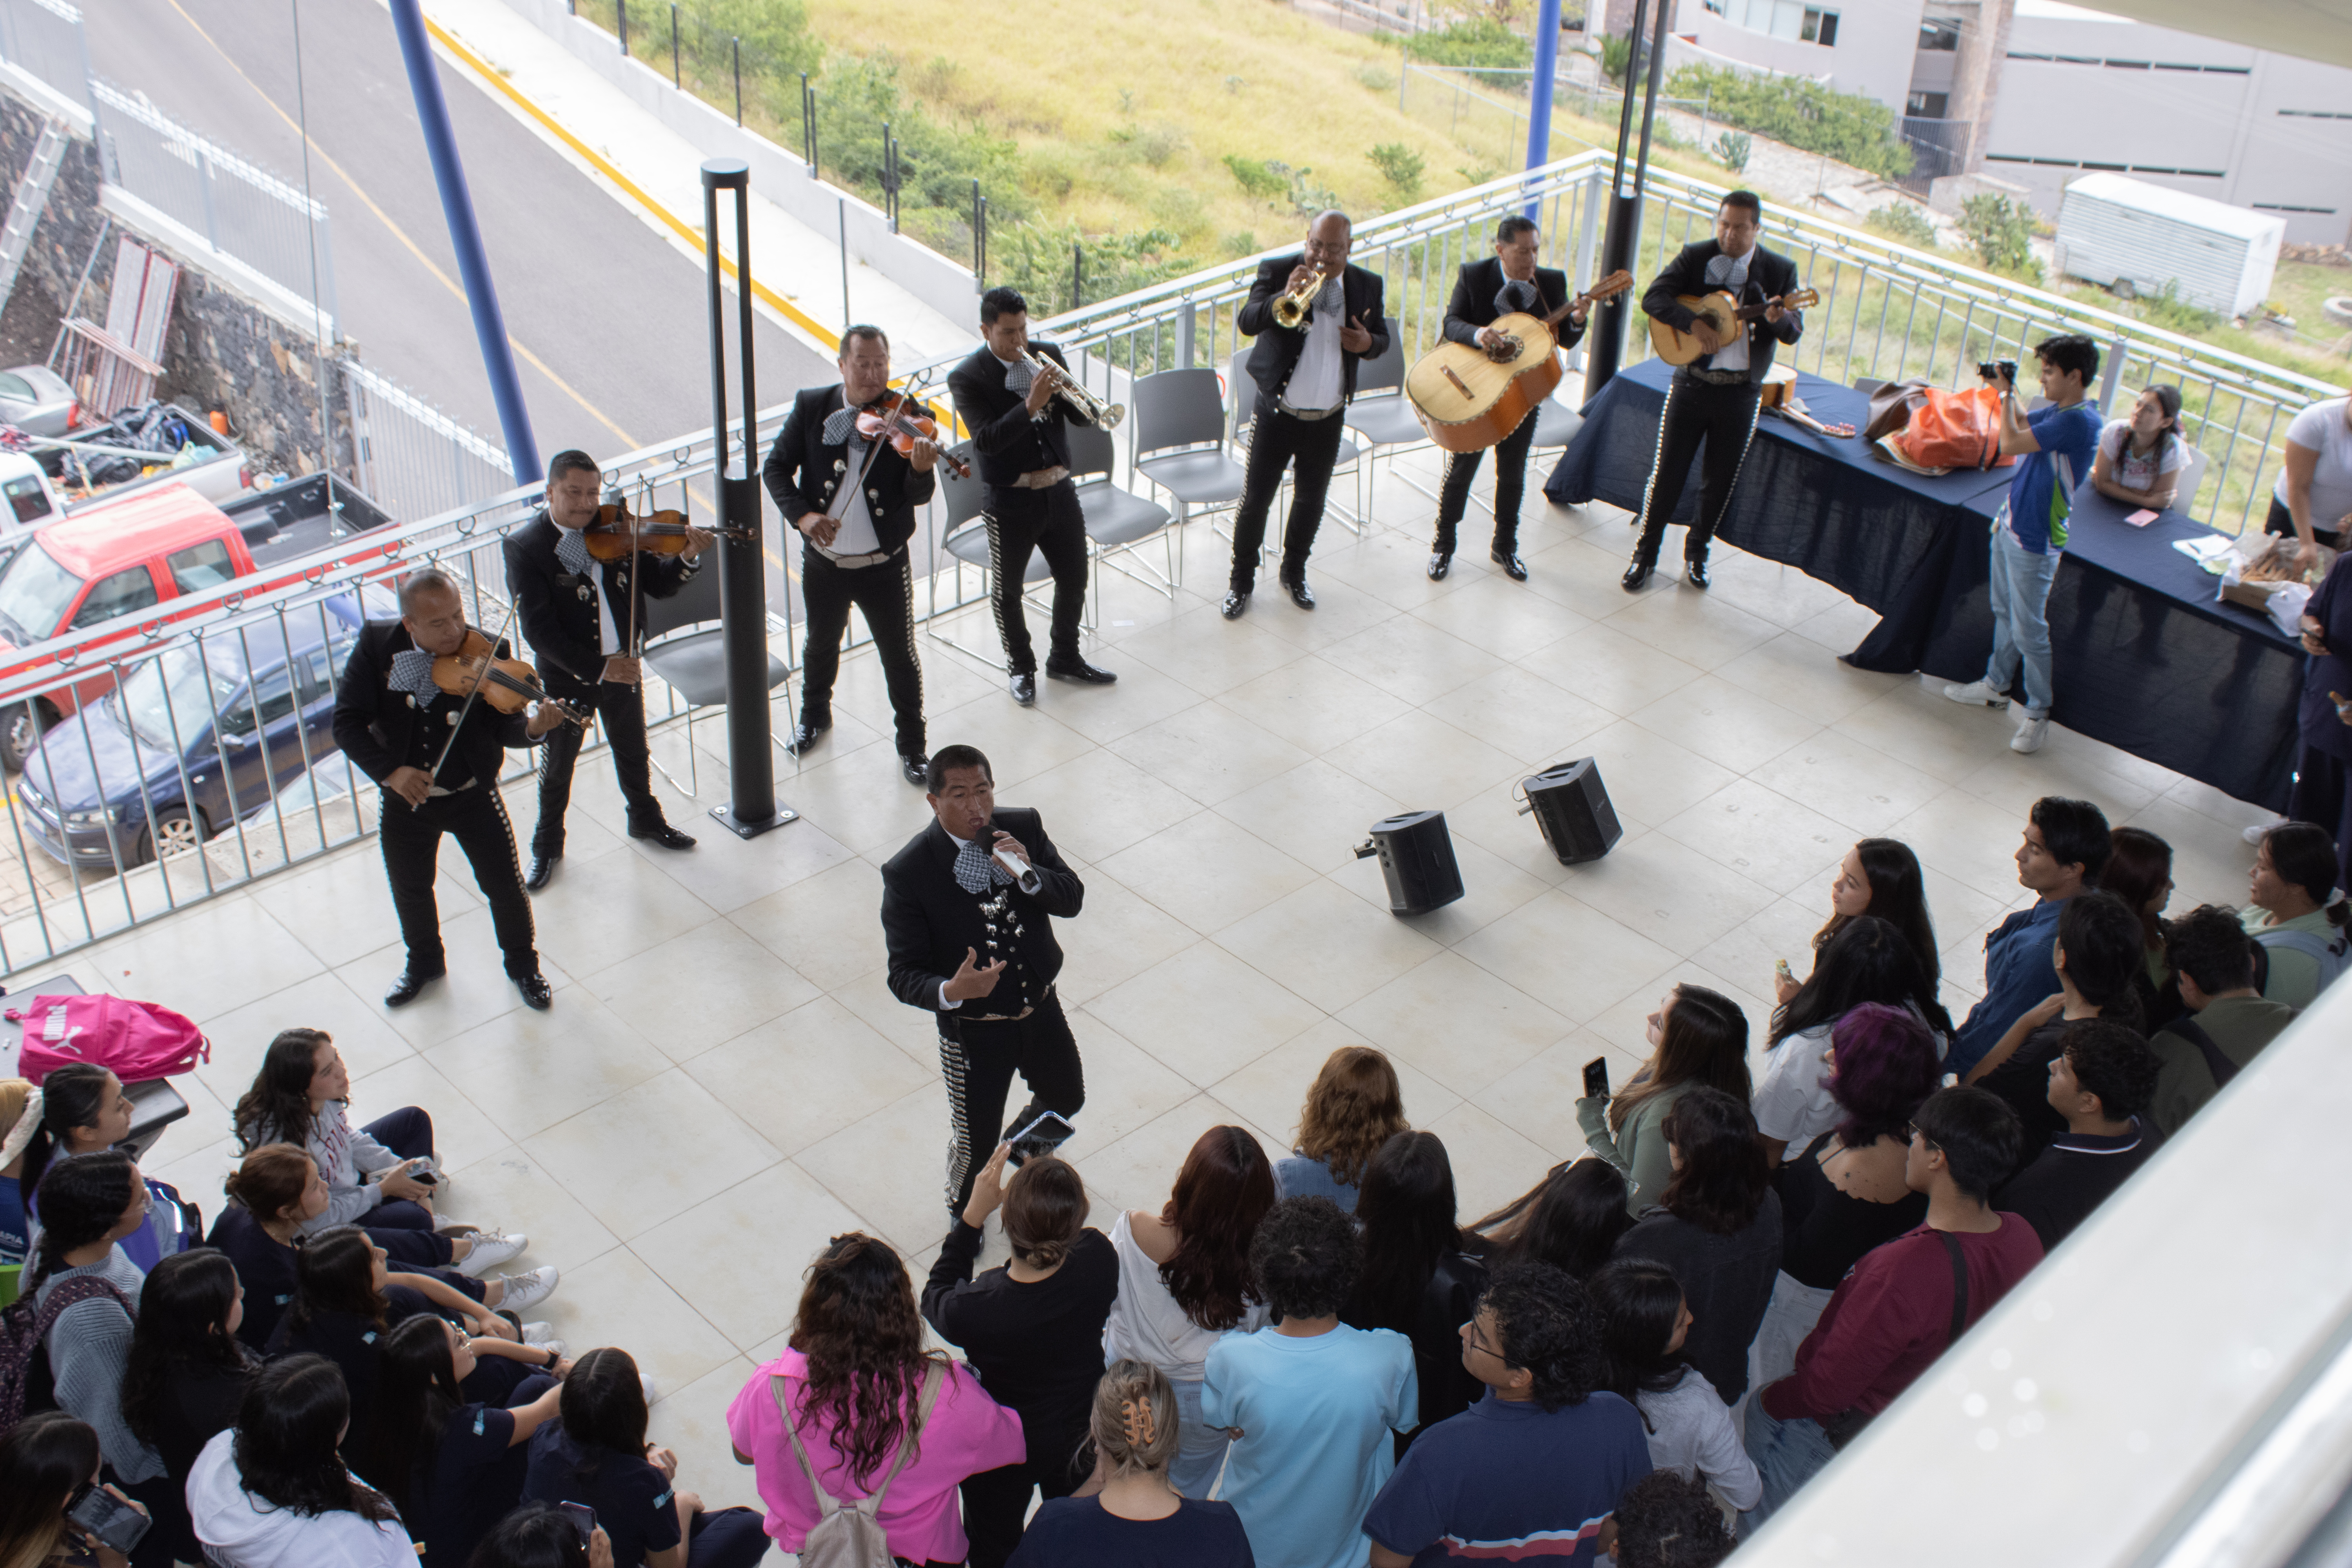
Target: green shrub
2000 233
1616 51
937 161
1377 78
1401 167
1803 113
1902 222
1256 176
1035 258
1239 243
1153 144
1733 147
1480 41
1478 174
2168 310
1306 198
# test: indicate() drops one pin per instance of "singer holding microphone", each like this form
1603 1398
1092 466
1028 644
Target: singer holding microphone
965 912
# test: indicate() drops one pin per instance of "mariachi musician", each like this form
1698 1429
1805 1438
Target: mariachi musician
582 617
437 755
1506 282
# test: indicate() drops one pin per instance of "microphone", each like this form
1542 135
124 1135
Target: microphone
1023 874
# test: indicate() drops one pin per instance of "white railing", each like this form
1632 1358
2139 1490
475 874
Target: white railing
411 459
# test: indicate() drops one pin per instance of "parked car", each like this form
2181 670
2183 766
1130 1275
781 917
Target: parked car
202 735
37 400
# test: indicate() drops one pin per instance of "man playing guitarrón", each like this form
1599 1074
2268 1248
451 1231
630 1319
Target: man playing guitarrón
1714 398
1509 282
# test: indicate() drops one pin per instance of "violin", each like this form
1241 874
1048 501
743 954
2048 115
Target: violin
899 420
618 533
508 685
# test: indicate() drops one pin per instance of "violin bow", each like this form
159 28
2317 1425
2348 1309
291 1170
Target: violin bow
472 692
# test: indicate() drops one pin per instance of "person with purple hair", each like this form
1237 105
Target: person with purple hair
1844 1193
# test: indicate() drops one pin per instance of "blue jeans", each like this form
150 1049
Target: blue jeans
1788 1454
2019 580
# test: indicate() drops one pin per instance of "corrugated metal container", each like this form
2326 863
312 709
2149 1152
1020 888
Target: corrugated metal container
2114 230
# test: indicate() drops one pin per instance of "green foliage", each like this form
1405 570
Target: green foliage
1733 147
2000 233
1803 113
1306 198
1377 78
937 161
1616 52
1239 243
1480 41
1401 167
1035 258
1477 174
776 41
2168 310
1153 144
1902 222
1256 177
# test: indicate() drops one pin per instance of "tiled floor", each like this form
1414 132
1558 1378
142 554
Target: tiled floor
724 1080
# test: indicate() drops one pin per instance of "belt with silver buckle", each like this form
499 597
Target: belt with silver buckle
1716 377
1040 478
1310 414
852 563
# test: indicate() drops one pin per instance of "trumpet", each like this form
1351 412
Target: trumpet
1083 404
1290 305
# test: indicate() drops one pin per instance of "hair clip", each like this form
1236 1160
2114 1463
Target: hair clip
1135 1418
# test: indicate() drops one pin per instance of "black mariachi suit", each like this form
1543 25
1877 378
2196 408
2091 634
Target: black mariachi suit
1473 307
382 730
803 474
927 922
1723 415
1277 438
1009 444
558 611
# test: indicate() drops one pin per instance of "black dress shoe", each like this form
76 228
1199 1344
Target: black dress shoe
537 995
917 768
1301 593
665 835
542 872
1025 689
1696 571
1079 671
1440 564
1513 567
1638 574
406 989
1235 602
805 735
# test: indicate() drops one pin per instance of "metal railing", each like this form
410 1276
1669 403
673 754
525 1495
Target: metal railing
411 459
44 39
1885 311
240 209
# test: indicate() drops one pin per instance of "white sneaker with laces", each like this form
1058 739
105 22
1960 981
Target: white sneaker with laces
550 1344
524 1291
490 1249
2031 731
539 1333
1978 694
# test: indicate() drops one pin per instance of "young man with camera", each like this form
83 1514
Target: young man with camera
2058 444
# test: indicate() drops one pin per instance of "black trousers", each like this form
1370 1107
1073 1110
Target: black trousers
1724 418
2281 521
978 1059
996 1502
411 836
621 711
1279 441
884 593
1050 520
1510 487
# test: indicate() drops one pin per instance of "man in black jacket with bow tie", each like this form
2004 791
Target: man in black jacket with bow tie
947 900
580 615
396 725
1023 450
1509 282
854 504
1715 398
1304 376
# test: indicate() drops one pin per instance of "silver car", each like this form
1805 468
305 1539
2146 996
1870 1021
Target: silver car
37 400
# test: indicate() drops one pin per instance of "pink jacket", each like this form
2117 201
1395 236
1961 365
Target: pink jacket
968 1432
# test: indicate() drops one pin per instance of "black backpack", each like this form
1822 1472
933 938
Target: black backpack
25 1382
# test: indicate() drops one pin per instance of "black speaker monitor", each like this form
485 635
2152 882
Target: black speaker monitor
1417 858
1573 808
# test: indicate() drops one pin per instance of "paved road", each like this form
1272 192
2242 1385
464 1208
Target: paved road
610 318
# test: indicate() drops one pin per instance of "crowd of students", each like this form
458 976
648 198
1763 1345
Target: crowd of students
1306 1359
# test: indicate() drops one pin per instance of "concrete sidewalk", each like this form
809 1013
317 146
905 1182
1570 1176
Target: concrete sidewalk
655 171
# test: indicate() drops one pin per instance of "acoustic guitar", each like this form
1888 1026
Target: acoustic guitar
1469 398
1677 347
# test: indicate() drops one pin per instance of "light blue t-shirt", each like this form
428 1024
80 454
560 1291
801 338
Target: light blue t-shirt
1316 1415
1297 1176
2041 494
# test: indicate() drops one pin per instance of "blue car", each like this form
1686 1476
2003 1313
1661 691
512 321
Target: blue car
199 735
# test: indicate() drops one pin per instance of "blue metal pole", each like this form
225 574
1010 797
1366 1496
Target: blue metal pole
466 238
1539 96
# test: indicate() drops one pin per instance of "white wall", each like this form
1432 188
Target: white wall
1875 42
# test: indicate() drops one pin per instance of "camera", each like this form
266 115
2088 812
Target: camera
1998 370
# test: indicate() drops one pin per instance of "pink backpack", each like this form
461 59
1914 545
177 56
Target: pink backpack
135 1040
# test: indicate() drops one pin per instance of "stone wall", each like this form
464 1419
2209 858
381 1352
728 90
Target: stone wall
222 350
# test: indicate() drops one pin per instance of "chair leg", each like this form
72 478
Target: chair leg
693 770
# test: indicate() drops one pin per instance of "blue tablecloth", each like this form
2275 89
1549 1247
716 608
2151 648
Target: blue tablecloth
2144 658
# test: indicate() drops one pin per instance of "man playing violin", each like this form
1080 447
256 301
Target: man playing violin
1509 282
854 501
438 757
579 615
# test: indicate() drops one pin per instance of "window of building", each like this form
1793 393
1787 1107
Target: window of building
2130 65
1788 20
1940 34
1926 105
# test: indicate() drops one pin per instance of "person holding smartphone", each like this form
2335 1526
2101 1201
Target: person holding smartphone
967 910
53 1507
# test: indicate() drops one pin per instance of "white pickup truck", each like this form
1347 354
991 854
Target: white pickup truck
211 464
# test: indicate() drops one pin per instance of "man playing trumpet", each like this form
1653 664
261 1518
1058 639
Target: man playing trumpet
1304 373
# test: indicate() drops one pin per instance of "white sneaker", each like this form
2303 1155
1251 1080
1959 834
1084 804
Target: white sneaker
2030 733
453 1226
490 1249
1977 693
539 1333
546 1341
524 1291
646 1383
2258 831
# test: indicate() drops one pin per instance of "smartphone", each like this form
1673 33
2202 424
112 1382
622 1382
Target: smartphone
582 1518
1596 1079
1048 1132
1780 967
115 1522
424 1178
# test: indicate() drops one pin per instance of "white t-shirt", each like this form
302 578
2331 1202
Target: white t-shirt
2130 469
2321 428
1729 274
1145 1323
1793 1100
